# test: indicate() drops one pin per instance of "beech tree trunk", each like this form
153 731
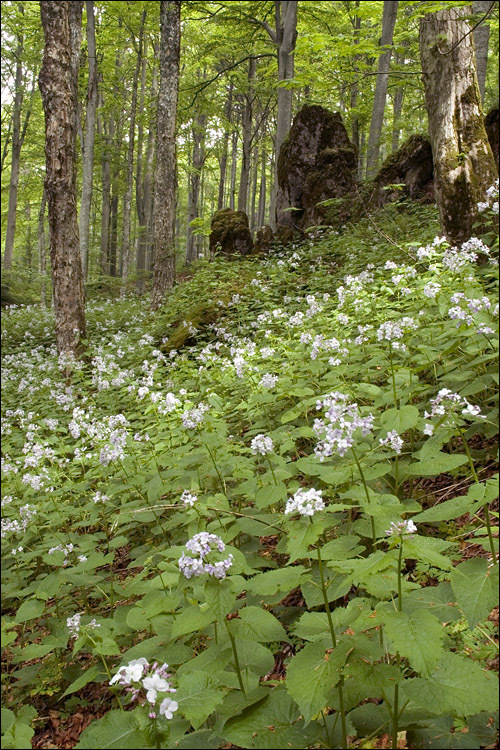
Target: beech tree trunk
384 63
246 130
127 202
464 166
481 40
234 163
88 143
225 144
165 176
42 264
198 158
58 81
261 212
141 241
148 174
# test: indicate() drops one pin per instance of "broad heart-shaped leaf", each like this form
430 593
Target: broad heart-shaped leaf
437 733
475 586
312 674
448 510
117 729
257 624
17 731
197 696
271 724
457 686
419 638
440 463
301 534
428 550
88 676
192 619
400 419
29 610
438 599
219 595
269 495
274 581
342 548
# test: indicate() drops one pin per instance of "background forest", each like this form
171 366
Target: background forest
250 375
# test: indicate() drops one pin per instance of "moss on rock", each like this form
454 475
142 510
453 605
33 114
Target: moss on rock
230 233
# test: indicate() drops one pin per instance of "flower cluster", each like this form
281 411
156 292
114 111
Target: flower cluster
139 675
394 330
492 200
393 440
401 527
202 545
188 499
73 624
193 417
344 419
305 502
447 403
262 444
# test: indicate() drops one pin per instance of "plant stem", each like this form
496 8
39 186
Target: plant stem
485 506
334 643
367 493
236 660
395 705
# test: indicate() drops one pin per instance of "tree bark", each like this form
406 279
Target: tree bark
148 175
234 163
58 81
88 143
246 130
464 166
127 203
261 212
140 254
481 40
41 251
197 161
384 63
165 176
225 143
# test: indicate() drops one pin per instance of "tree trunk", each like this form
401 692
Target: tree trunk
113 239
127 203
384 62
234 162
29 244
481 40
140 254
255 172
58 83
464 166
88 144
285 37
41 251
246 122
198 158
261 213
356 25
148 174
225 144
16 154
165 176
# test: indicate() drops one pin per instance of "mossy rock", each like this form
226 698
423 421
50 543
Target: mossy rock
187 330
230 233
264 240
411 167
491 123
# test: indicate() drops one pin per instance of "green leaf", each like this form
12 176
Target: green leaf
220 596
342 548
475 586
449 510
401 419
301 535
457 686
29 610
441 463
191 620
419 638
117 729
427 550
274 581
88 676
17 732
198 697
437 599
312 626
258 624
270 495
271 724
312 674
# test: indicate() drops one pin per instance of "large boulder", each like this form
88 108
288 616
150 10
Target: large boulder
491 123
263 239
316 162
230 233
410 167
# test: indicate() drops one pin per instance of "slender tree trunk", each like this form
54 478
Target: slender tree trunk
41 251
148 175
255 172
356 24
106 138
384 63
29 245
165 177
481 40
140 254
88 143
261 213
16 154
127 203
58 83
198 158
285 38
225 143
113 239
234 162
464 166
246 121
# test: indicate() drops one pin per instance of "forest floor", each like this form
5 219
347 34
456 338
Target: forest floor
300 408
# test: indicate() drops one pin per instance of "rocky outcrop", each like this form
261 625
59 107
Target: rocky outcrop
317 162
410 168
491 123
263 239
230 233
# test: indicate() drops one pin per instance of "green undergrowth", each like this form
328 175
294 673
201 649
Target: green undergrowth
325 418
